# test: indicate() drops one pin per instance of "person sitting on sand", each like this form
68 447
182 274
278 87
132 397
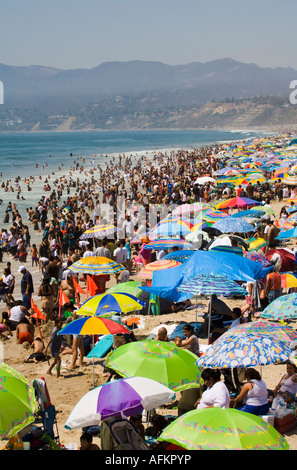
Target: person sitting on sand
190 342
162 334
38 354
86 442
25 331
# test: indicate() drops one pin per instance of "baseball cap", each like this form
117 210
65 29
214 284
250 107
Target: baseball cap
21 268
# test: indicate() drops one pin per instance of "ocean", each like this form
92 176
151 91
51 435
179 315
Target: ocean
20 152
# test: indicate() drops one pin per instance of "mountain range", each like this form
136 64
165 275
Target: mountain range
125 94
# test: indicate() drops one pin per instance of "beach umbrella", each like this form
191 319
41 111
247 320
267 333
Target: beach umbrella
278 331
118 399
144 237
185 209
254 256
93 325
267 209
236 250
247 349
209 284
289 280
179 255
162 361
292 233
223 429
210 216
204 180
114 302
250 213
96 265
17 402
99 231
237 225
169 229
169 244
129 287
256 243
236 202
282 308
149 269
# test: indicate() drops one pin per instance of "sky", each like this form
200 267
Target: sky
71 34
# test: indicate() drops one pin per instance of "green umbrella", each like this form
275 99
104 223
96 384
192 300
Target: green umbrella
223 429
161 361
129 287
17 402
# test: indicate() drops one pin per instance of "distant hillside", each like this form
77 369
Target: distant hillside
136 94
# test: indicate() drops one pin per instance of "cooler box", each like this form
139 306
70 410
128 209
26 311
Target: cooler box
285 423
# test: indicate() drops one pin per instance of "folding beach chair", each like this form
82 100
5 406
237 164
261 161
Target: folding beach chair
120 434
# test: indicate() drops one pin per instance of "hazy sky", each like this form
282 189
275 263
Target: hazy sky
86 33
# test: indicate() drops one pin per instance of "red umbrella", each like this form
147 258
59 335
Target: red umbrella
288 258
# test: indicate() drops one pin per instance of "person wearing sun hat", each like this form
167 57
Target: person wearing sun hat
27 288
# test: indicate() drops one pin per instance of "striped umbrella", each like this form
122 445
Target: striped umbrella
149 269
236 202
96 265
210 216
257 243
99 231
209 284
114 302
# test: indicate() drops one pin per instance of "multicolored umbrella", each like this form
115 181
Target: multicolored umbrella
158 360
254 256
236 225
116 302
210 216
93 325
170 229
96 265
121 398
169 244
99 231
278 331
250 213
209 284
233 349
223 429
236 250
257 243
288 280
149 269
282 308
17 402
236 202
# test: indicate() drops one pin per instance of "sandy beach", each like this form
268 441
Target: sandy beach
67 390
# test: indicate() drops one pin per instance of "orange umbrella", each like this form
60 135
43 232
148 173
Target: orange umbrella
149 269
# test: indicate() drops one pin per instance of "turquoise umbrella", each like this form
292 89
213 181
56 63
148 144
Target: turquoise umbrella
282 308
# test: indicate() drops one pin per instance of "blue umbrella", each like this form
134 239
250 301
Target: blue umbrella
292 233
249 213
168 244
171 229
236 225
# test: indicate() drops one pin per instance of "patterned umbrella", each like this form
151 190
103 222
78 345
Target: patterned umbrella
149 269
99 231
236 225
256 214
282 308
245 349
223 429
168 244
278 331
162 361
209 284
123 397
254 256
17 402
180 255
96 265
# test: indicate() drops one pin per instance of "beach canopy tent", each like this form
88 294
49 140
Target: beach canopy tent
237 268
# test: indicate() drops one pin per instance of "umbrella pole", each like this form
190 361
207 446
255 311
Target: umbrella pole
93 362
209 318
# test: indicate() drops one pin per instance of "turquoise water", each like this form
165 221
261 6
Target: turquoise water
20 152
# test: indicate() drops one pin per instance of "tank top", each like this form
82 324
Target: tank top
287 385
258 395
